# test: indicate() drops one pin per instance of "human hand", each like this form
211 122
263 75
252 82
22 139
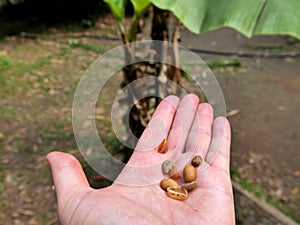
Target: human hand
210 203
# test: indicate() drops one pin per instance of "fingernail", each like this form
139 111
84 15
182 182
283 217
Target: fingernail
189 102
172 100
205 109
194 98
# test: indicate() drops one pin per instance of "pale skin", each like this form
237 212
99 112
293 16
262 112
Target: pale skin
211 203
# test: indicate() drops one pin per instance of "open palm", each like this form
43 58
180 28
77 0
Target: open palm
190 130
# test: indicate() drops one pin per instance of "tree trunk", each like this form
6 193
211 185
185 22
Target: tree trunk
143 109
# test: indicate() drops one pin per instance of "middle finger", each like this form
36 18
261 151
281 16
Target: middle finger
181 125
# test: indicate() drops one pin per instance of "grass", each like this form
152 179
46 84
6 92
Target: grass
25 90
266 48
224 63
7 113
259 193
87 47
17 177
114 143
5 64
2 186
16 75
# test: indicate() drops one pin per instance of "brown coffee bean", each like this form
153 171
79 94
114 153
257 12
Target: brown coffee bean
167 166
189 173
190 186
168 182
174 173
177 193
162 148
196 161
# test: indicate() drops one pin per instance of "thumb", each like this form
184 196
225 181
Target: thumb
67 173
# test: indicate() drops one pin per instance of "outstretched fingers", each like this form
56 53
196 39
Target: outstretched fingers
145 153
171 121
200 134
181 126
144 166
219 150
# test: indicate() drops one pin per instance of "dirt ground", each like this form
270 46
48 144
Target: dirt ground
38 78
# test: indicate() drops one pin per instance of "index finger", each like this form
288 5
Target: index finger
145 153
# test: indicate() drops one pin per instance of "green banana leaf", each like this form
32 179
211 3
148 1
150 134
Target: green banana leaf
280 17
140 5
117 8
249 17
